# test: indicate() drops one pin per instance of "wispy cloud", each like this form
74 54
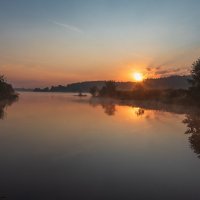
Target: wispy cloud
67 26
162 72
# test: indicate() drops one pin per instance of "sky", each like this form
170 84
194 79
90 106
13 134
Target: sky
51 42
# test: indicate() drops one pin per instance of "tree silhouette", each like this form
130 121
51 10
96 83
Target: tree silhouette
6 90
94 91
194 90
109 89
2 79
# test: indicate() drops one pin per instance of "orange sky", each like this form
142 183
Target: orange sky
47 43
41 75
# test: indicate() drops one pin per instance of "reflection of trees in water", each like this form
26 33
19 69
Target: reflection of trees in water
109 109
2 112
192 121
4 104
108 105
139 112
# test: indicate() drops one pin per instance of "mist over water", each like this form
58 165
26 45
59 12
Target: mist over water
60 146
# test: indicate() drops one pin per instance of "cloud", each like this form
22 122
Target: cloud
172 71
162 72
148 69
167 71
69 27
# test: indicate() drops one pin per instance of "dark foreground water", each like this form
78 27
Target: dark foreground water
58 146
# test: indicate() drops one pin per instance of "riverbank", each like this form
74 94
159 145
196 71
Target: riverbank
168 96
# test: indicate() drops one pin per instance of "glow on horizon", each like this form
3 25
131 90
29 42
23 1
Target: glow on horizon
46 43
138 77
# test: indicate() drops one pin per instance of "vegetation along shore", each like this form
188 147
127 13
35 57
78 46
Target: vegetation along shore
142 91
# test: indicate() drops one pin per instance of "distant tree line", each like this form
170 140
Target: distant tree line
74 87
173 82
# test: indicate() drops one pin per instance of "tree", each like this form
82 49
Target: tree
109 89
194 90
2 79
6 90
94 91
195 73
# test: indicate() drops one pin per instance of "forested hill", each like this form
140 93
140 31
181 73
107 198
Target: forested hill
173 82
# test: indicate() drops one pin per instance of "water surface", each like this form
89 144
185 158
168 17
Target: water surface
59 146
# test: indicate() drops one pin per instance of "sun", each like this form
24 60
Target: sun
137 76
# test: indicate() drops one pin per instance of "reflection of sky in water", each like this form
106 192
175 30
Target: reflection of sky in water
58 144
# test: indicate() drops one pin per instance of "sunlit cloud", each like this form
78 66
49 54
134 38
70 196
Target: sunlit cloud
68 27
158 72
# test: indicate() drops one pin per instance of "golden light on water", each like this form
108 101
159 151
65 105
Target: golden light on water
137 76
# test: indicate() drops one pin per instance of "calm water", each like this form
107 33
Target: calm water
58 146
